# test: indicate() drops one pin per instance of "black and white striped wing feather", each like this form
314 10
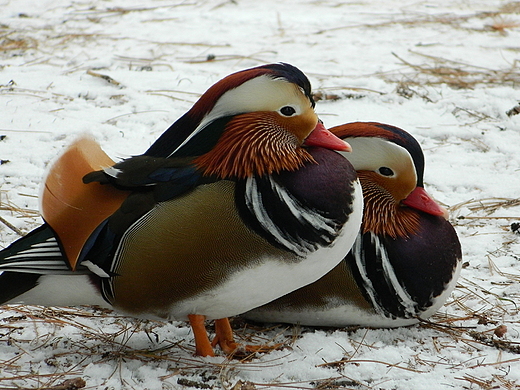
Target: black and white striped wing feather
39 253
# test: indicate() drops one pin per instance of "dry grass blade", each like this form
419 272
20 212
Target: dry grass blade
485 206
511 7
105 77
11 226
452 73
490 205
14 40
408 21
110 339
228 57
357 361
500 22
7 205
117 11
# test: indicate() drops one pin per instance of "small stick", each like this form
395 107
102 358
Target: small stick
104 77
12 227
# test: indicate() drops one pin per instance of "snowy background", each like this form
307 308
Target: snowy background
446 71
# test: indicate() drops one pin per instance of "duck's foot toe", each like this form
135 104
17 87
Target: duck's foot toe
224 338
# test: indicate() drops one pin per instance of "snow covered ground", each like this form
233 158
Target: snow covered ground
445 71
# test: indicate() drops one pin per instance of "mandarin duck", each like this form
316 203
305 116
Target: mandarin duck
242 200
406 260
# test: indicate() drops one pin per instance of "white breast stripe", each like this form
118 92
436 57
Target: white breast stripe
405 299
308 215
256 205
359 256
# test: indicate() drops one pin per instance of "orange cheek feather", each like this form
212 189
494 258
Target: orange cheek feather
255 143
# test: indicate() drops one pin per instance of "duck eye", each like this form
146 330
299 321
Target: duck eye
385 171
287 111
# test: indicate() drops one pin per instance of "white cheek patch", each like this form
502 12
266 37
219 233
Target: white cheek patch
371 153
263 93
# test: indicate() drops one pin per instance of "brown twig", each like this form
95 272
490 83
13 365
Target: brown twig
108 79
11 226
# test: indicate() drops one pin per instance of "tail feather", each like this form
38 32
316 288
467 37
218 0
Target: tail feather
39 252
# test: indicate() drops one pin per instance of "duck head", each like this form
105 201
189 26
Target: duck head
390 166
253 122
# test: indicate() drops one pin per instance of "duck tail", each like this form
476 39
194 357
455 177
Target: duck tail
27 259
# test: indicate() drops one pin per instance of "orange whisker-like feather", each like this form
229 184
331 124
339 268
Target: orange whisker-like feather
253 144
382 215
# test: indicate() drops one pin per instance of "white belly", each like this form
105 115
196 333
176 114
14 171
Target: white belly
62 290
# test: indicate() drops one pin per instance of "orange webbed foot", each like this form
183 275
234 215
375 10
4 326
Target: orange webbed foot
224 338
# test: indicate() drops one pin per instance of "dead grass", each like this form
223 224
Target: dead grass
502 24
414 77
14 210
125 338
504 18
489 205
15 41
433 70
481 210
436 71
117 340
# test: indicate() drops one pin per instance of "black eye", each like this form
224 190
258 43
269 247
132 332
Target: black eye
287 111
385 171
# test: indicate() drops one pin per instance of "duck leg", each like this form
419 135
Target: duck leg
203 347
224 338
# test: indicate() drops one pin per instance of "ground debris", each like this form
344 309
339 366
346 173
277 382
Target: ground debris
514 111
515 227
489 340
244 385
69 384
108 79
191 383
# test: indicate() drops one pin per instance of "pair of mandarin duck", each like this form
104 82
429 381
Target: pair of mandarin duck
246 204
